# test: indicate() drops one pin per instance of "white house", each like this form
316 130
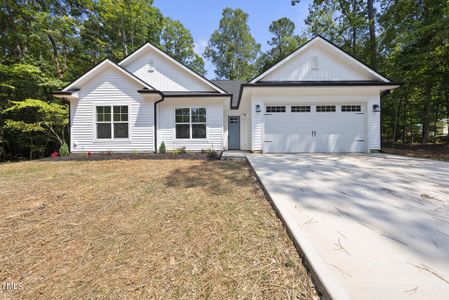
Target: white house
317 99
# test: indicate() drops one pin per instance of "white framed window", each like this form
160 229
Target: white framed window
300 108
190 123
275 109
349 108
112 122
325 108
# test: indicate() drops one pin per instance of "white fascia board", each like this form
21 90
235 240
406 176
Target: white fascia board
157 50
99 67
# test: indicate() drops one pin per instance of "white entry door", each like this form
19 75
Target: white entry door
315 128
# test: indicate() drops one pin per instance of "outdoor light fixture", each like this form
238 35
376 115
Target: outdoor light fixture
376 108
244 115
257 108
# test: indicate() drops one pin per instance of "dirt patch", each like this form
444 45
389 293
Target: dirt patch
177 229
440 152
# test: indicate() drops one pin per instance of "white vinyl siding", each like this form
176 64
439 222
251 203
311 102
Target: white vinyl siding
214 123
110 88
163 74
318 62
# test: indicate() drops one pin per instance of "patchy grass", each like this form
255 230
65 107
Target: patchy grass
437 151
179 229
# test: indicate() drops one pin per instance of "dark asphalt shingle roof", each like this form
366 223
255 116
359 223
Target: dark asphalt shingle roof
232 87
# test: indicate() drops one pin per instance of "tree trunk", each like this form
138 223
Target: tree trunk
447 116
426 115
435 122
59 70
396 121
372 34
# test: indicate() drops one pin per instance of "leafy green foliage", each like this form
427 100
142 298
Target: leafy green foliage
47 44
283 42
177 41
162 148
64 150
232 48
46 117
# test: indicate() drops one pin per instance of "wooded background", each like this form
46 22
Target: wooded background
47 44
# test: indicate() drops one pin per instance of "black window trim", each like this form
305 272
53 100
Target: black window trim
190 138
283 108
112 138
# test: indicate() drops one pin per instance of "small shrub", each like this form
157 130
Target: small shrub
64 150
211 154
176 152
182 150
162 148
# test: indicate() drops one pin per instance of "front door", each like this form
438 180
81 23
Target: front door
234 133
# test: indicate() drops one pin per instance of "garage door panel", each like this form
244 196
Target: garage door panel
315 132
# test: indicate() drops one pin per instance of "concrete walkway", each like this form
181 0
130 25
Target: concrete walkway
377 226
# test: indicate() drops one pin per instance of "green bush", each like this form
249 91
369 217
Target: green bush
64 150
162 148
211 154
176 152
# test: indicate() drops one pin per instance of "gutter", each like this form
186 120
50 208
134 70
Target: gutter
146 91
155 120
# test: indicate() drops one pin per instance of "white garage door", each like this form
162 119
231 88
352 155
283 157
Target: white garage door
315 128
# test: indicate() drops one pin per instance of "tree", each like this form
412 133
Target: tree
116 28
231 47
177 41
372 34
283 42
51 118
415 43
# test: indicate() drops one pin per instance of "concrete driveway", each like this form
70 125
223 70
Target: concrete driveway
379 224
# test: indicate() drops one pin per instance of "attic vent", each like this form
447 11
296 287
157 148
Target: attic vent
151 67
315 63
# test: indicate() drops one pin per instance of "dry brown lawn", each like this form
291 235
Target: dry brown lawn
143 229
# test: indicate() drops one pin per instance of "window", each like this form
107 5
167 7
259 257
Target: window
112 121
233 120
351 108
190 123
325 108
300 108
272 109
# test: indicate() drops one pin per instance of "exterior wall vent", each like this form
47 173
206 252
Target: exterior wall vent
315 63
151 67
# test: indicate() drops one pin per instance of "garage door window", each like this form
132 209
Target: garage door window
300 108
325 108
349 108
275 109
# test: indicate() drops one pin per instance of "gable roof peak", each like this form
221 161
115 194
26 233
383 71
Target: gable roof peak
333 47
102 64
158 50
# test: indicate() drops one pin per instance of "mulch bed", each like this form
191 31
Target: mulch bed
134 156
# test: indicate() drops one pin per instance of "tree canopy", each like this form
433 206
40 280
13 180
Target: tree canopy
232 48
46 44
